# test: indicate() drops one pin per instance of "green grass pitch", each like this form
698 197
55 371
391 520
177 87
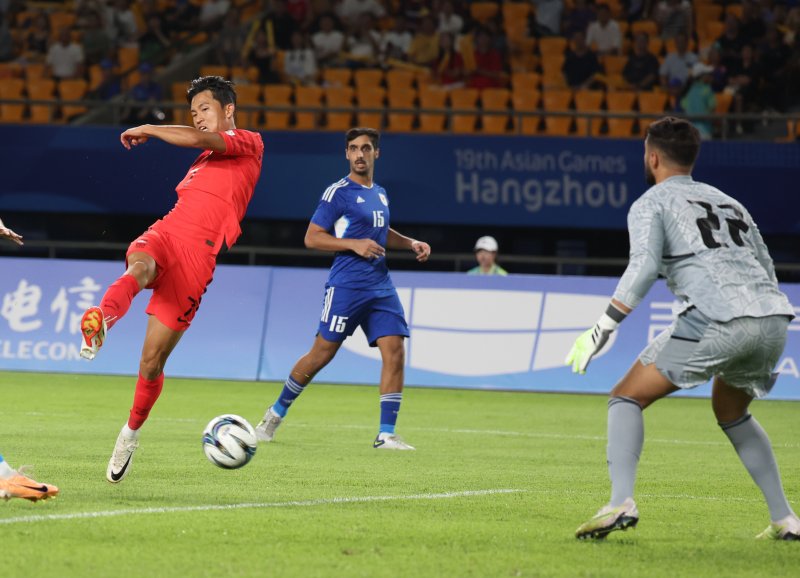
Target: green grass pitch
497 486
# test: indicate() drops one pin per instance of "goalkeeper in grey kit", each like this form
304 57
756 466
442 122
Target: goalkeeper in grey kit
732 326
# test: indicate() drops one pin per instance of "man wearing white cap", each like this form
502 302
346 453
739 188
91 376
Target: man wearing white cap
700 99
486 254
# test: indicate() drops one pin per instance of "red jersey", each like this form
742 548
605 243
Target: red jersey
213 196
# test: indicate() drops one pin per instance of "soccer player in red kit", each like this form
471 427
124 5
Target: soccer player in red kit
176 256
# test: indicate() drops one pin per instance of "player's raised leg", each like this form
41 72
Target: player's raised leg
159 342
752 444
116 301
321 353
15 484
391 388
641 386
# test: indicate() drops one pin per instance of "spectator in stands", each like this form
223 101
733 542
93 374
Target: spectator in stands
449 69
396 42
363 44
449 20
578 18
95 39
746 79
350 11
144 98
719 76
547 17
604 35
674 17
328 41
37 40
212 13
773 57
299 64
230 40
641 69
730 43
278 24
6 39
180 17
302 12
700 99
581 65
678 64
262 56
489 69
414 11
154 45
752 27
110 85
486 255
121 21
424 49
65 57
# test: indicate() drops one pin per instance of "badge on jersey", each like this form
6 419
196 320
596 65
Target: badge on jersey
230 133
384 200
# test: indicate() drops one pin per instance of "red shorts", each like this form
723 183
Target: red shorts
183 274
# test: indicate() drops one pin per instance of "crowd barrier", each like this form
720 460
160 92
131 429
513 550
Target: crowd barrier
509 333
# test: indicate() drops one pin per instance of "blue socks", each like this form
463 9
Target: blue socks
390 407
291 389
5 469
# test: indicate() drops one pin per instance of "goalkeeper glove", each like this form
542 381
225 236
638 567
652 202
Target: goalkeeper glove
592 341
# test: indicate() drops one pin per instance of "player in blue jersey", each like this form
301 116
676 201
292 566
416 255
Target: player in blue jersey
352 220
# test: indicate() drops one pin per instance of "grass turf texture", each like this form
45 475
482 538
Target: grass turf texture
699 509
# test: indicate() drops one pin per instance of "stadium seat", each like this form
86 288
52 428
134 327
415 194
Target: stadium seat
649 27
35 70
526 81
128 58
705 13
652 103
495 100
655 45
244 75
724 100
73 89
368 77
212 70
735 10
483 11
401 98
557 101
370 97
248 95
614 64
552 46
669 45
11 89
432 100
463 99
95 76
588 101
337 76
61 19
552 75
41 89
620 101
277 95
516 11
307 97
526 101
399 78
10 70
339 97
710 30
522 55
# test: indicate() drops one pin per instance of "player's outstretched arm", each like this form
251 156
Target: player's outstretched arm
182 136
593 340
395 240
6 233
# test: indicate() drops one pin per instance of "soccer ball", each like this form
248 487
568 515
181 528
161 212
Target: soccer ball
229 441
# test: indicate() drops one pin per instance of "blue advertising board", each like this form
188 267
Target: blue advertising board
509 333
440 179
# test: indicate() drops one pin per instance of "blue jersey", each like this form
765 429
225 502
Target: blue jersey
349 210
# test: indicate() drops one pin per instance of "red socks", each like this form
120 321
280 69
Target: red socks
147 392
118 297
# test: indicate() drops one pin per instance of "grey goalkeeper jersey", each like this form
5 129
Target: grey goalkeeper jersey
707 246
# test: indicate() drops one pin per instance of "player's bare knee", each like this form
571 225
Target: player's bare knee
152 365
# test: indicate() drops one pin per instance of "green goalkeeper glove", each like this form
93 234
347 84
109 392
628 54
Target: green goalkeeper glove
590 343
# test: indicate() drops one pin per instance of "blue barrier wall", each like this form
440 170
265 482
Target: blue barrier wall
505 181
254 322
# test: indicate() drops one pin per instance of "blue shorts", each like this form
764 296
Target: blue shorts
379 313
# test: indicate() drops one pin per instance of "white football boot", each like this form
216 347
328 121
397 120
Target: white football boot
608 520
387 441
120 463
265 430
786 529
93 330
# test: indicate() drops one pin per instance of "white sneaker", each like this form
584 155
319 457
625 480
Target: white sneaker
609 519
786 529
265 430
93 331
120 463
387 441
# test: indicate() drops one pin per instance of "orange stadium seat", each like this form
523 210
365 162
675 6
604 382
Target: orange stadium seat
655 45
552 46
704 13
526 101
307 97
552 76
483 11
432 100
620 101
42 89
277 95
495 100
652 102
59 20
180 113
588 101
724 100
516 11
339 97
649 27
368 77
399 78
95 76
614 64
735 10
337 76
35 70
74 89
11 89
128 58
463 99
557 101
248 95
244 75
370 97
399 99
213 70
526 81
522 55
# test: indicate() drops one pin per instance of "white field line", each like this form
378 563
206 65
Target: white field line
245 506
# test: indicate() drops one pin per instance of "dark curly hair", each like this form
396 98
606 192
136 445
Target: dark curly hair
222 89
677 138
